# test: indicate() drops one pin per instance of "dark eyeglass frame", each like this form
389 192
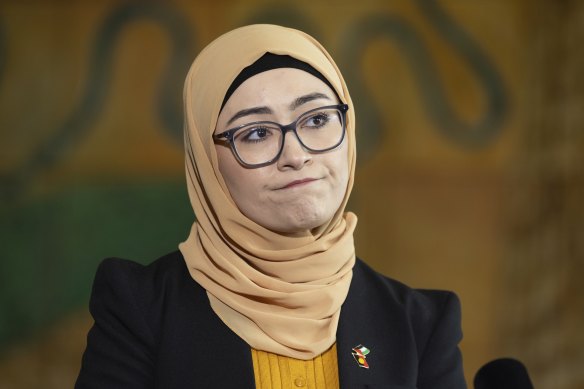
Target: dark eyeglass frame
228 135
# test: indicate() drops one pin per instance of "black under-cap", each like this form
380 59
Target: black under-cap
271 61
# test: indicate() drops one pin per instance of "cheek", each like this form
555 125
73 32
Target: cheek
232 172
340 169
244 185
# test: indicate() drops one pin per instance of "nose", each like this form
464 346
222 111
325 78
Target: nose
293 156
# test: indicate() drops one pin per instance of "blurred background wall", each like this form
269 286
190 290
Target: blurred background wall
470 160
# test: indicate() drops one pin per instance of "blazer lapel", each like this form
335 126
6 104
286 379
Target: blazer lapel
352 332
364 322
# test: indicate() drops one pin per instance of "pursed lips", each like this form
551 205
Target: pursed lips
297 183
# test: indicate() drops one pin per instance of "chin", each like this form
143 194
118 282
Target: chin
293 217
301 223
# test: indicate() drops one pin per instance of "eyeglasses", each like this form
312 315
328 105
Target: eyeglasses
261 143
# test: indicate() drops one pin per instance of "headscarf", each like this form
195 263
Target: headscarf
279 293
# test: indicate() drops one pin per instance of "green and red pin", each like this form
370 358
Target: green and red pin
360 354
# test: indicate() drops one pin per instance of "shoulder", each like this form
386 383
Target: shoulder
423 313
143 280
423 324
126 302
418 301
147 318
151 291
156 271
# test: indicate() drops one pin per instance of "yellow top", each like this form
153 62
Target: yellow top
273 371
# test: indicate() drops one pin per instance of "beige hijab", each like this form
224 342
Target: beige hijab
279 293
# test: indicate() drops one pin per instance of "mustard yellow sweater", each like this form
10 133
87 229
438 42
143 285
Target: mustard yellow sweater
274 371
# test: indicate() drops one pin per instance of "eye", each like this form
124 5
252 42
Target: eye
254 134
316 120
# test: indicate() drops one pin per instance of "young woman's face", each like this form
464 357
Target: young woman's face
301 190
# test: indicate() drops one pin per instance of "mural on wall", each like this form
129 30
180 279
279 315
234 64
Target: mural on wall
91 150
354 38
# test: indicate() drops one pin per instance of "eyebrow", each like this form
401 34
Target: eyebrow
266 110
306 98
249 111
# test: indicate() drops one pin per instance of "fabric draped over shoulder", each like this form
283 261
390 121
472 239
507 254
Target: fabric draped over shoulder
279 293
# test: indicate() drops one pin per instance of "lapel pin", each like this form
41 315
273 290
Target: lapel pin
360 354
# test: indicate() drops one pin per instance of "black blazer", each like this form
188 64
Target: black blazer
154 328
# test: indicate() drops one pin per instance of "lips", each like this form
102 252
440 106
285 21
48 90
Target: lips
297 183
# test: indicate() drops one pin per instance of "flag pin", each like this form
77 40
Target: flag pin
360 354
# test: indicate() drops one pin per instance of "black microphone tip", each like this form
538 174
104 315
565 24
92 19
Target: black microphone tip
503 373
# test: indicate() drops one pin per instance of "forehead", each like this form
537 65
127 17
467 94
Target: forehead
274 87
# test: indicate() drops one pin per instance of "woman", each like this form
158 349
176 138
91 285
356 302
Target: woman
266 291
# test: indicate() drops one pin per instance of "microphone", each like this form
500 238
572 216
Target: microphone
503 373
